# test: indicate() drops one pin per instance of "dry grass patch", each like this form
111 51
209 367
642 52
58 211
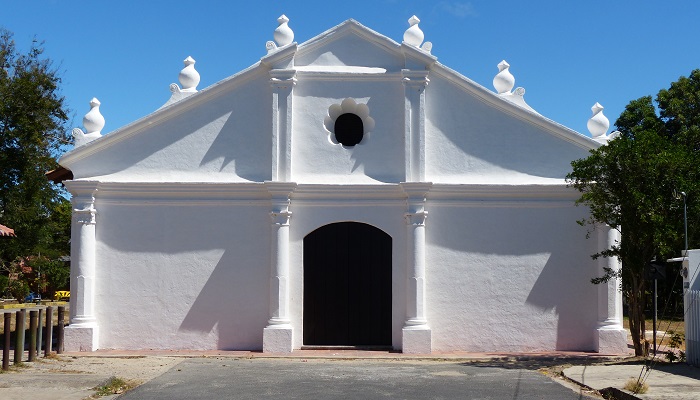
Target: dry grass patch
636 387
113 385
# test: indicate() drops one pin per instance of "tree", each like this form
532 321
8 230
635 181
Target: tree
32 130
632 185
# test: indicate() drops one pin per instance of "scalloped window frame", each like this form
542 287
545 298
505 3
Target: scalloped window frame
348 106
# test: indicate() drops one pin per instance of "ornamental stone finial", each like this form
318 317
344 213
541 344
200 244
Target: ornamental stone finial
598 124
93 122
413 35
283 34
504 80
189 77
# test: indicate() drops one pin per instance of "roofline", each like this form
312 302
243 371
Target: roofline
254 70
515 110
353 26
160 115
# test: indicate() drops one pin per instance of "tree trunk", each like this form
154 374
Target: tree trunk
636 316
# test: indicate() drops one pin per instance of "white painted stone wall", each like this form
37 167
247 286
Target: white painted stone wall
188 254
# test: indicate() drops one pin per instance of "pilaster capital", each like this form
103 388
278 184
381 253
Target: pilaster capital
85 216
416 193
280 218
415 79
282 79
280 193
416 218
83 200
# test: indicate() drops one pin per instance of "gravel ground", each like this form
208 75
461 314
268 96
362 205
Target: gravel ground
69 378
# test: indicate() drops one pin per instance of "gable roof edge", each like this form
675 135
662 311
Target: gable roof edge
550 126
354 26
160 115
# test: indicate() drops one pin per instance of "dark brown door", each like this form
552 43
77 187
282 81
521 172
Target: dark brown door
347 286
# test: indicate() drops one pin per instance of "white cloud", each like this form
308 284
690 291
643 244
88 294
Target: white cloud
458 9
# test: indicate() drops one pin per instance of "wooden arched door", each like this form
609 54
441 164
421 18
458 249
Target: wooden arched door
347 286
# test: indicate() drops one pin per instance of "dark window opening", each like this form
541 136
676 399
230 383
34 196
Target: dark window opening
349 129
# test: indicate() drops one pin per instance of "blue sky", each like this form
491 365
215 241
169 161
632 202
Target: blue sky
566 54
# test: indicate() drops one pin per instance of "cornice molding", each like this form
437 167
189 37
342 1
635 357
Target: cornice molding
500 195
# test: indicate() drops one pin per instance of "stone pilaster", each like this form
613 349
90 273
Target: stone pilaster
611 337
82 333
414 83
416 333
282 82
278 335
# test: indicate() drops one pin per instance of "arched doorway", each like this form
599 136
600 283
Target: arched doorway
347 286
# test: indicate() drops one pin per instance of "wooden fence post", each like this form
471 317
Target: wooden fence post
19 335
59 333
33 317
39 332
6 345
49 330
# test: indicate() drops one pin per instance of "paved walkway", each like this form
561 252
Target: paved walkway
666 381
677 381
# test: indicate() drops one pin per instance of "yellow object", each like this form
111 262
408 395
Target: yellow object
62 295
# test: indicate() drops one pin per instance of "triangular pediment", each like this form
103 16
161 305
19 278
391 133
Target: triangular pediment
350 44
223 133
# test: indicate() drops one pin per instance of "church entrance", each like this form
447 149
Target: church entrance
347 286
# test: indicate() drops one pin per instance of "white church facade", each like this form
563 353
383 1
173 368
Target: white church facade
346 191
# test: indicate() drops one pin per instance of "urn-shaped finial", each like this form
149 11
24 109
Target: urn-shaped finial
598 124
189 77
413 35
93 121
283 34
504 80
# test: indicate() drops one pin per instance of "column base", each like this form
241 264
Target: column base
611 341
277 339
417 340
80 338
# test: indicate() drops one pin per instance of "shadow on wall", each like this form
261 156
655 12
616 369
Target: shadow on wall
244 139
564 286
223 135
234 301
544 248
486 137
380 157
209 273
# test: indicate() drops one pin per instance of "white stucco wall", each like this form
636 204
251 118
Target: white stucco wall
182 274
378 158
185 258
224 140
470 141
509 275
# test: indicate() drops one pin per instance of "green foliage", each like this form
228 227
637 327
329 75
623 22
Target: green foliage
55 275
677 339
632 185
32 130
3 285
19 289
